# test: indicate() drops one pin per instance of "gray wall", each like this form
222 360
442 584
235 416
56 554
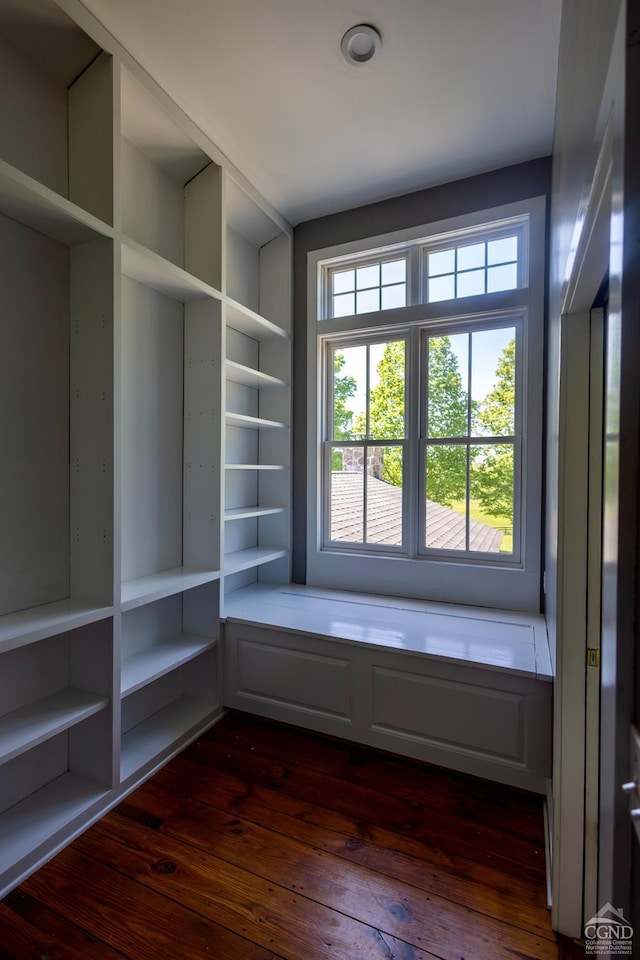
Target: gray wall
531 179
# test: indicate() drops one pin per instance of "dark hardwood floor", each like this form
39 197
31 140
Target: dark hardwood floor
262 842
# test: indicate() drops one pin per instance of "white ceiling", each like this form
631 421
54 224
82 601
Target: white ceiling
459 87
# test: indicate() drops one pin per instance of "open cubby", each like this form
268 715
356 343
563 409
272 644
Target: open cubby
170 442
258 264
56 736
46 795
65 89
169 675
152 337
162 636
171 190
50 686
56 386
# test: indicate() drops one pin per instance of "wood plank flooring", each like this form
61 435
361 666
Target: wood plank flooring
262 842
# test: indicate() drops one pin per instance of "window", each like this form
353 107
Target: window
365 452
466 444
469 269
368 287
427 406
471 446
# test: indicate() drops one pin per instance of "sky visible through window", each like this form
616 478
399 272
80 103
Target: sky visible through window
486 351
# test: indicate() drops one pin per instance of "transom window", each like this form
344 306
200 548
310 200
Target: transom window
368 287
470 269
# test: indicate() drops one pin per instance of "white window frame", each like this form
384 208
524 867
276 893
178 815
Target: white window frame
434 576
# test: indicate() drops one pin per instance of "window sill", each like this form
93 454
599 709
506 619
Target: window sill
497 640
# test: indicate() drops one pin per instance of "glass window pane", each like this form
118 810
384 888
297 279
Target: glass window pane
387 390
344 305
446 496
441 288
343 281
447 386
368 276
347 495
394 271
384 495
368 300
502 278
491 498
493 381
395 296
470 284
443 261
502 251
471 256
349 392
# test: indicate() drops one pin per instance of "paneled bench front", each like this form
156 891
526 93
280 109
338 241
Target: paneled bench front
464 687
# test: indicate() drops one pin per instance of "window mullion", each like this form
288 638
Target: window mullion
367 434
413 471
414 285
469 410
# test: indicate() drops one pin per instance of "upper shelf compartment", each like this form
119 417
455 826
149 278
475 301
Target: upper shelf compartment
170 189
56 127
258 267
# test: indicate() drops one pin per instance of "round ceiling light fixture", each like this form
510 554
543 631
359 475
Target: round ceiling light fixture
360 44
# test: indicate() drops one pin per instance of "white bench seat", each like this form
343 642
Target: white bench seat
464 687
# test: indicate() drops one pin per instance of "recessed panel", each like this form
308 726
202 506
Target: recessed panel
451 714
294 677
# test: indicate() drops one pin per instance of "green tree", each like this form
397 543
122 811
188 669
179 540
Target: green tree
446 417
447 469
343 388
492 466
386 409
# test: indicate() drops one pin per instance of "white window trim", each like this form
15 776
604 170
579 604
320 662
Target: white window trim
515 587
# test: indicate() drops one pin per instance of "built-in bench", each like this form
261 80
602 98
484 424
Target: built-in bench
463 687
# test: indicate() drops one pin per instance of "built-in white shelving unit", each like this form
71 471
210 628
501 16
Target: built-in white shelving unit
257 395
144 412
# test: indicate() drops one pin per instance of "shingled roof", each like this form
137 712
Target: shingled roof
445 527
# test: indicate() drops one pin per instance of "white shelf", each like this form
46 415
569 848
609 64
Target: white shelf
37 623
244 513
44 210
254 466
251 323
135 593
253 557
162 275
155 662
252 423
168 729
27 727
36 821
248 377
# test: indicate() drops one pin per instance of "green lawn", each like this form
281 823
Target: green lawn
477 513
